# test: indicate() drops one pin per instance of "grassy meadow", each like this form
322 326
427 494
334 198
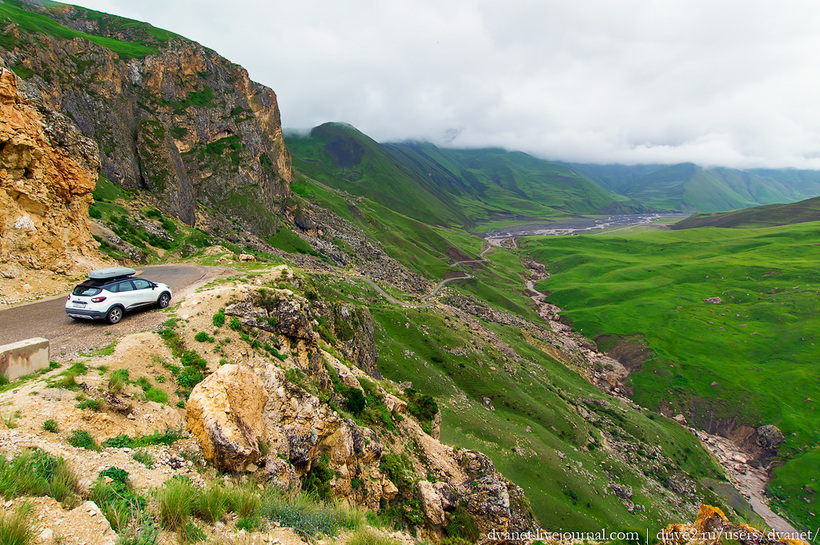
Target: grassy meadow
754 357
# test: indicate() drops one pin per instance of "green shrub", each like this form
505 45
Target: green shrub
16 528
190 358
219 318
274 352
354 398
318 479
422 406
393 467
169 226
235 324
156 394
189 377
462 525
306 515
82 439
50 425
203 337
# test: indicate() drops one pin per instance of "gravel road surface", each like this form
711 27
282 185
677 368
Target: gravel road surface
48 319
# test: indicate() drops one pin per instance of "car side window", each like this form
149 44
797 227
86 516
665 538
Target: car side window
125 286
141 284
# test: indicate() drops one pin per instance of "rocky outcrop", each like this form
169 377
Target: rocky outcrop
769 437
169 115
47 173
225 413
713 526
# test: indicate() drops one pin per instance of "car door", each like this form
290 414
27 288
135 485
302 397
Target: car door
126 294
144 293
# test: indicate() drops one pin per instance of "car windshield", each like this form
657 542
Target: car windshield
86 291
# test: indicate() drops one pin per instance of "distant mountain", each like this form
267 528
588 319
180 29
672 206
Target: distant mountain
759 216
687 187
449 186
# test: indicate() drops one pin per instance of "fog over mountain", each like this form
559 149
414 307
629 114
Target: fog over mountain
725 83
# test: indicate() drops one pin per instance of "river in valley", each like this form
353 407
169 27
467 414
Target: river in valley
577 226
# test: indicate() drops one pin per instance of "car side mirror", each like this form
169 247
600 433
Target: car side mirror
153 286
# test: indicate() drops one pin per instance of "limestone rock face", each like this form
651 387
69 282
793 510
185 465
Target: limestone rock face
47 174
225 412
431 503
179 120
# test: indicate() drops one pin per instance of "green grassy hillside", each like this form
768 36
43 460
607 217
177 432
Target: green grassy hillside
146 38
759 216
543 417
448 187
753 358
690 188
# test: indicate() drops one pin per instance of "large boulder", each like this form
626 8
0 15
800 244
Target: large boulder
770 437
431 502
225 413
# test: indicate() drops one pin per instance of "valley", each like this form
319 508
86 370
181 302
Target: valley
447 341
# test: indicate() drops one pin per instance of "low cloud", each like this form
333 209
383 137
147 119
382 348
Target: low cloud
730 83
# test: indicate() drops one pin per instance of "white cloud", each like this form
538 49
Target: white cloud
719 82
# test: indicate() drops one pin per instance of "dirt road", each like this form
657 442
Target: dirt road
48 318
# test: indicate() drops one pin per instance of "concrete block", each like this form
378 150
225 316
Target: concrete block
24 358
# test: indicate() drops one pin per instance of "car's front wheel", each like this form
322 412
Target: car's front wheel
114 315
164 300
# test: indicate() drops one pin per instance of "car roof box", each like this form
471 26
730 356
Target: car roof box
110 272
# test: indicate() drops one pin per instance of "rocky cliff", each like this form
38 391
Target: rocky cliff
47 173
297 413
169 115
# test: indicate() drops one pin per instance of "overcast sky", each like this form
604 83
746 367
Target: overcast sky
733 83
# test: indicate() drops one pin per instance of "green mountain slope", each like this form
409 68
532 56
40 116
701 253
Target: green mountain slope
448 187
759 216
688 187
750 360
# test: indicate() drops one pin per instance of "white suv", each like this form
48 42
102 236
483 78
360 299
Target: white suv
110 292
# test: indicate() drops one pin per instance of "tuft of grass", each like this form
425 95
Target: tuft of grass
50 425
37 473
243 500
93 404
144 457
167 437
212 504
113 493
83 439
175 502
16 528
118 380
367 536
